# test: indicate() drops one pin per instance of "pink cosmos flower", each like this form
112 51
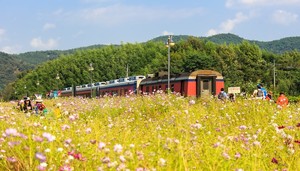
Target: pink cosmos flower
226 155
64 127
243 127
65 168
11 131
68 141
105 160
101 145
42 166
256 143
237 155
40 157
192 102
11 159
122 159
118 148
77 156
48 136
88 130
37 138
13 143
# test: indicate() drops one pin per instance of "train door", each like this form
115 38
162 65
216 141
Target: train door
205 86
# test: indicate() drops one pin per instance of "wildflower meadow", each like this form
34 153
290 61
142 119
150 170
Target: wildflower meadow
148 133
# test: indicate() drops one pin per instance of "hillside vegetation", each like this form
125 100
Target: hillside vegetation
11 68
276 46
31 60
242 65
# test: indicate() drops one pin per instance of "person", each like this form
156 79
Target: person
244 94
258 93
231 97
282 101
269 96
263 90
27 107
20 105
222 95
57 110
40 108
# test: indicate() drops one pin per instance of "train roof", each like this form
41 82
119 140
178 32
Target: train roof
184 76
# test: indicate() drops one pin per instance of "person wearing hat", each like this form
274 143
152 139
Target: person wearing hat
40 108
27 107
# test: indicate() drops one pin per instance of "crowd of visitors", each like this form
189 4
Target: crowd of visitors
259 93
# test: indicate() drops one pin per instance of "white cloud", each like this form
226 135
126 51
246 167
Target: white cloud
116 14
10 49
48 26
228 25
253 3
44 45
284 17
166 33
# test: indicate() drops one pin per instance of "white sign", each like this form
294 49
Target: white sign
234 90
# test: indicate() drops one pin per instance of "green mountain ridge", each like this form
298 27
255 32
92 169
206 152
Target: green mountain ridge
14 65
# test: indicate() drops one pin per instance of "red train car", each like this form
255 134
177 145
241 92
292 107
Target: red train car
199 83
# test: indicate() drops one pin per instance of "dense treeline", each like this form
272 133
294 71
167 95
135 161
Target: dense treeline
242 65
11 68
24 62
30 60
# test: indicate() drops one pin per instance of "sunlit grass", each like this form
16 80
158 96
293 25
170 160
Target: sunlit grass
151 133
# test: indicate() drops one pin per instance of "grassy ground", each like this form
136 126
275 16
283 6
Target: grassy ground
151 133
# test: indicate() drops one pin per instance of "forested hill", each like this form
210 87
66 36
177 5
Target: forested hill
10 68
275 46
242 65
38 57
12 65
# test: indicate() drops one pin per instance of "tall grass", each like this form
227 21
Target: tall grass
162 132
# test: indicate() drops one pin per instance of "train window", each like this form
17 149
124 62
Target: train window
147 89
172 87
159 87
205 84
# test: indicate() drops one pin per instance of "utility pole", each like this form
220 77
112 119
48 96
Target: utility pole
127 70
274 74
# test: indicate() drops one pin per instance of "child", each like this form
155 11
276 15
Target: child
40 108
57 110
27 107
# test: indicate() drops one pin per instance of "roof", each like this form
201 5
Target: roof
187 75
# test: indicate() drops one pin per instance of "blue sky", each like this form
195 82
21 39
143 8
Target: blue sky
33 25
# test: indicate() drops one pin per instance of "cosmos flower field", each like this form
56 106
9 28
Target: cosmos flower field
162 132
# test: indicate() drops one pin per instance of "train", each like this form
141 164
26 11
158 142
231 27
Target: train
199 83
